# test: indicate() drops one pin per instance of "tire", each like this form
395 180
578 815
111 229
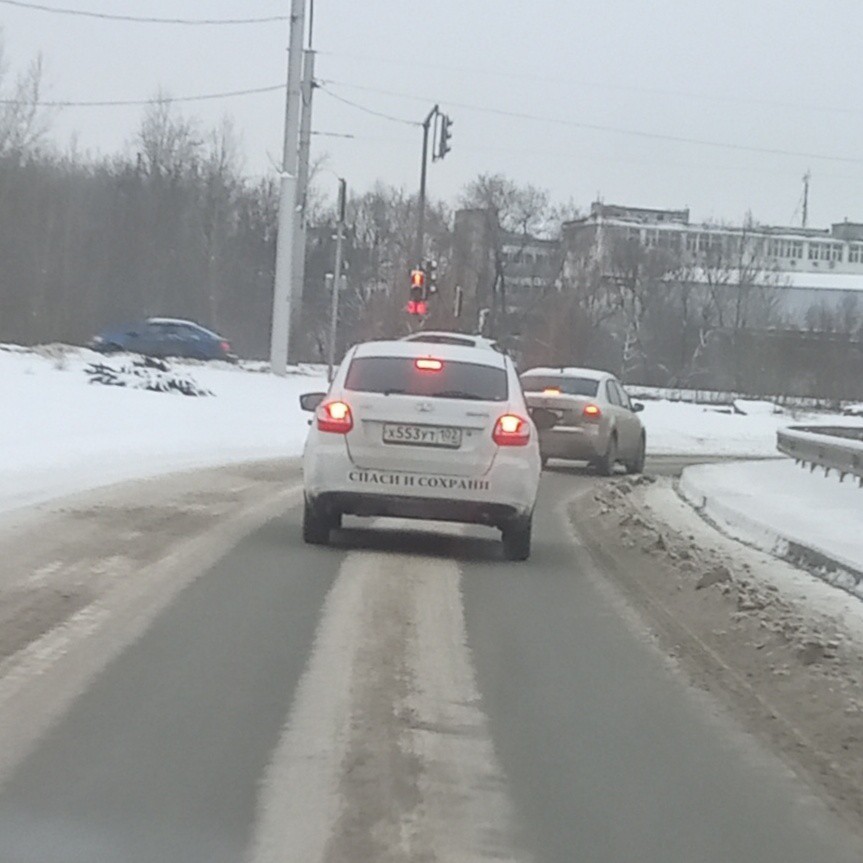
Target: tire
637 463
516 539
544 460
605 465
316 525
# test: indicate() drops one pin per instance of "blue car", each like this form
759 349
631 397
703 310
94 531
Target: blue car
164 337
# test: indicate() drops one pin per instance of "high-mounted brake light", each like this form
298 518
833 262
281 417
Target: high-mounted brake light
592 411
511 430
551 391
428 365
335 417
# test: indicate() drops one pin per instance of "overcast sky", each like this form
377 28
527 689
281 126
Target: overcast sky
781 75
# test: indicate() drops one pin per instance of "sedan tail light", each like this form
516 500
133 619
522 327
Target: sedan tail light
511 430
335 417
225 346
592 411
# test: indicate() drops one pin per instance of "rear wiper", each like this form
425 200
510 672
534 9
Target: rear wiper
456 394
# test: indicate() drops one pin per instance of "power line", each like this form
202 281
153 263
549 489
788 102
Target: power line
595 127
121 103
366 110
607 85
110 16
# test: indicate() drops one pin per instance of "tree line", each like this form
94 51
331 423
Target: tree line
173 227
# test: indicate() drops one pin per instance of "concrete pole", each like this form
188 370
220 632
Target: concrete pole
337 280
298 276
280 331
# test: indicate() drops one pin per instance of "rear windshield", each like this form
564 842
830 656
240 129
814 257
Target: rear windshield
568 385
454 380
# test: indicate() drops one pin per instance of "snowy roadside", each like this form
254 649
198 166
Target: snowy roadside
790 512
778 646
747 429
64 435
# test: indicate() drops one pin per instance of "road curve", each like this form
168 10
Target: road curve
404 695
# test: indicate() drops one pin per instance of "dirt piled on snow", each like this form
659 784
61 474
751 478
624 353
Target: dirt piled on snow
771 642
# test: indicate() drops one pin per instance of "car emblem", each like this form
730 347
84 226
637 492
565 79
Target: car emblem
424 407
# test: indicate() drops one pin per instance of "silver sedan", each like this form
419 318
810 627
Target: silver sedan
597 422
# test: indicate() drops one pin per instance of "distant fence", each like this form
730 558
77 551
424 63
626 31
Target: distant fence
830 447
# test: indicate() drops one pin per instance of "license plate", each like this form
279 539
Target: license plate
441 436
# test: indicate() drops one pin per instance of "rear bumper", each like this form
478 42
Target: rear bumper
430 508
573 442
507 491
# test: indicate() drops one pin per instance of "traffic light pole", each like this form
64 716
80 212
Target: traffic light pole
421 213
337 279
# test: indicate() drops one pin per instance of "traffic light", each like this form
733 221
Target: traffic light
445 134
431 279
417 297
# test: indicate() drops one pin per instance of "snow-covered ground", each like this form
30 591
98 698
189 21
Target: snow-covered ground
771 503
60 434
681 428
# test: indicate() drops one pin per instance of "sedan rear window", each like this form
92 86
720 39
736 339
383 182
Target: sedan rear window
568 385
454 380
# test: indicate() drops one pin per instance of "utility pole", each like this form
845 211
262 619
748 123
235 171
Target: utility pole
806 177
337 279
421 215
280 332
298 271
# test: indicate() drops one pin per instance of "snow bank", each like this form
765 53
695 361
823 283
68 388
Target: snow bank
776 505
680 428
62 434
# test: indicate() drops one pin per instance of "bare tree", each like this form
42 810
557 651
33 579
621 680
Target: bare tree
168 143
23 122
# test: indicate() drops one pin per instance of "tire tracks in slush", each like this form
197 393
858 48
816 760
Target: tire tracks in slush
387 755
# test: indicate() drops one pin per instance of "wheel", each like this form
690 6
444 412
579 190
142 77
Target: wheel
605 465
316 525
637 463
516 539
544 460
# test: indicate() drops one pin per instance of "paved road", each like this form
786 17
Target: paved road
404 696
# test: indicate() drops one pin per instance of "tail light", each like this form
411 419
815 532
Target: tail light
511 430
225 346
335 417
592 411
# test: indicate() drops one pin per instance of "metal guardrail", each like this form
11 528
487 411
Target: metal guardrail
838 448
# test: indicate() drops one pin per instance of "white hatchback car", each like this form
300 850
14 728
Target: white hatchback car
429 431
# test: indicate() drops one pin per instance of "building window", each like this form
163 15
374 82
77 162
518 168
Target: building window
825 251
855 253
